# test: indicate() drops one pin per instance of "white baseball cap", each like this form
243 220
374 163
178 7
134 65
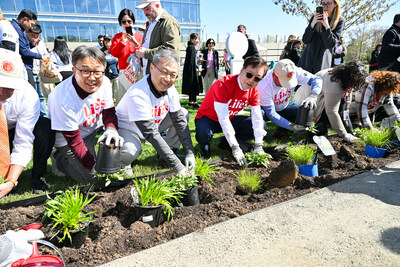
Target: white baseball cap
11 69
285 70
144 3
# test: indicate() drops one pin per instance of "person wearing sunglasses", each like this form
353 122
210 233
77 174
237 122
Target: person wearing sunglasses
75 108
210 64
321 36
276 91
218 112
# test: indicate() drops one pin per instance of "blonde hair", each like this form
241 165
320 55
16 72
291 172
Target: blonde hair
334 19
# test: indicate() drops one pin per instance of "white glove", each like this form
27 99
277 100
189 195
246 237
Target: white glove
109 134
310 101
15 246
349 137
300 129
190 161
238 155
258 149
183 172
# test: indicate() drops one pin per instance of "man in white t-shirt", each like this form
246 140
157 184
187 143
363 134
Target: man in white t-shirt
150 107
75 107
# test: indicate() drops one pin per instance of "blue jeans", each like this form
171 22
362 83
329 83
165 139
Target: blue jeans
289 113
42 99
206 127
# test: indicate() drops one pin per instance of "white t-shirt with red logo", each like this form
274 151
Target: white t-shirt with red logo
140 104
68 112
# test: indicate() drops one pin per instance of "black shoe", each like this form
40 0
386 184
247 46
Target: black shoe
39 185
205 152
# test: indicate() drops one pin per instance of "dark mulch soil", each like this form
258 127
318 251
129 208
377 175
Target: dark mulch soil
115 233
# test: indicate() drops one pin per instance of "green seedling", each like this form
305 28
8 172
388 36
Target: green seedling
248 182
119 176
66 210
301 154
204 169
254 159
375 137
152 192
183 182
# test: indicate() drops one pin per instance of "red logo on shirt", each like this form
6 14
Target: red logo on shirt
158 113
237 106
7 66
282 96
93 112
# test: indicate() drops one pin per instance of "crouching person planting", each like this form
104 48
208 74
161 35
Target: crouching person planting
152 106
75 107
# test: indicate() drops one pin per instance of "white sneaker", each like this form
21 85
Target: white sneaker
54 168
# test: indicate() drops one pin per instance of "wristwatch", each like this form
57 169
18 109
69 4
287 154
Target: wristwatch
12 180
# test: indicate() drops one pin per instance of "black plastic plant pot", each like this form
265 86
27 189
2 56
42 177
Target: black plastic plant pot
108 159
78 238
305 116
150 215
191 197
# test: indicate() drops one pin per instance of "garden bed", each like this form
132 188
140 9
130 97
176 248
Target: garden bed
115 233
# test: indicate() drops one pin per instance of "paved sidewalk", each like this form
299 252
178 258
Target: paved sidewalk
352 223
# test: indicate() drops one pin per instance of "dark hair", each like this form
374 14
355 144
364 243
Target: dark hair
62 50
124 12
396 18
209 41
378 45
255 61
100 36
25 13
35 29
194 36
238 27
351 74
84 51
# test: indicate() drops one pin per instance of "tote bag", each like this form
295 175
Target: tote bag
49 73
130 75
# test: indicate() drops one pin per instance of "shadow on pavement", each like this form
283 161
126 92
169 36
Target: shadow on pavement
390 238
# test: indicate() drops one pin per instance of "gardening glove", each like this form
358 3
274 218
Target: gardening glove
349 137
310 101
190 161
299 129
238 155
15 246
183 172
258 149
110 134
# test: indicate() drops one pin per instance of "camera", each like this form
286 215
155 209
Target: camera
128 30
320 10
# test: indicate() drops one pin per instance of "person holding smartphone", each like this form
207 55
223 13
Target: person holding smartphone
321 35
125 43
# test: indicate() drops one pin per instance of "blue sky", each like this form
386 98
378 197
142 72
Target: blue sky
259 16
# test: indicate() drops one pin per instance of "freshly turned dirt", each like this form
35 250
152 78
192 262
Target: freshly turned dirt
115 233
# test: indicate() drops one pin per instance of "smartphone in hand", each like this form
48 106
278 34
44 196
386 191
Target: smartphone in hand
320 10
128 30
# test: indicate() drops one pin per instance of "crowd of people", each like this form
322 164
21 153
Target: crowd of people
90 97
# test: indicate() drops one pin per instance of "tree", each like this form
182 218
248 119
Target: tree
355 12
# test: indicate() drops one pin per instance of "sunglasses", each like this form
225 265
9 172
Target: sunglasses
212 43
249 76
126 21
328 4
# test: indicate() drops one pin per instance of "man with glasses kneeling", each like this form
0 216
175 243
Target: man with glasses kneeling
152 106
226 97
75 107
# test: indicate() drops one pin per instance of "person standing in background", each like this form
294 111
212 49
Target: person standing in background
339 51
62 57
252 48
210 64
295 52
373 62
100 40
111 71
190 82
390 45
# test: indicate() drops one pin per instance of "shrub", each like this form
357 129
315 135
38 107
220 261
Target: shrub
254 159
183 182
301 154
204 169
248 182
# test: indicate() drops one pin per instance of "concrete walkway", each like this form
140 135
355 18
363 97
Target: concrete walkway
352 223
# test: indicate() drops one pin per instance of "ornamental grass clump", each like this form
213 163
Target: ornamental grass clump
255 159
204 169
301 154
248 182
376 137
66 210
152 192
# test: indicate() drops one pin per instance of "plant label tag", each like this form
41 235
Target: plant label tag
323 144
388 122
397 132
346 115
147 218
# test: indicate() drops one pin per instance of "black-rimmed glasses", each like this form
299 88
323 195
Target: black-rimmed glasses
250 75
86 73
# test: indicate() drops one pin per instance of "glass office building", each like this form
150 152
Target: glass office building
84 20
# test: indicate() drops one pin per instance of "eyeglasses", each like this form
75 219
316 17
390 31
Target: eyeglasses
249 76
165 73
327 4
86 73
126 21
211 43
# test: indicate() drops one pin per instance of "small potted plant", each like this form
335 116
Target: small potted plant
377 141
305 158
248 182
187 185
204 169
255 159
70 219
150 196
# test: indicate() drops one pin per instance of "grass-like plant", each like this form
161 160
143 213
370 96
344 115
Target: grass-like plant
152 192
204 169
66 210
254 159
376 137
109 178
184 182
301 154
248 182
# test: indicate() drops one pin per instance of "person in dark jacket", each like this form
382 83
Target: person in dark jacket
373 62
390 45
321 36
111 70
295 52
210 64
252 49
190 81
